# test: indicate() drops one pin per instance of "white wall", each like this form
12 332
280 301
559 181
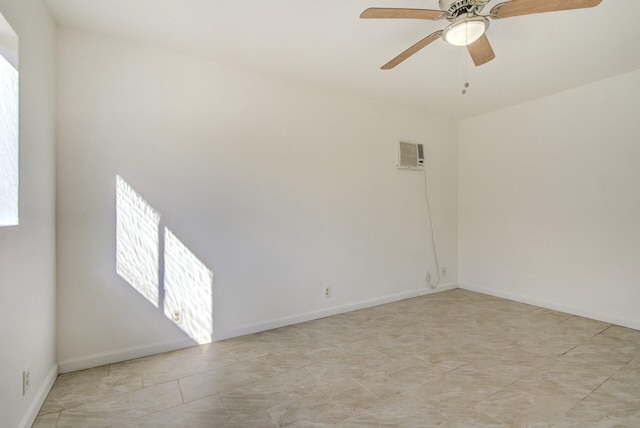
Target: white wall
549 201
27 251
278 187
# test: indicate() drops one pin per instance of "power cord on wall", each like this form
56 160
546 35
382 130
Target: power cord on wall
433 241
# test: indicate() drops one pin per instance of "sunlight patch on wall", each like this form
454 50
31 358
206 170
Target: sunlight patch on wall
187 288
161 267
137 241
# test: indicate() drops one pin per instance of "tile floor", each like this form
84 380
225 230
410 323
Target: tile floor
451 359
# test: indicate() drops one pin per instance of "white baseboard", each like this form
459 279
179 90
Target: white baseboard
335 310
111 357
553 306
101 359
38 400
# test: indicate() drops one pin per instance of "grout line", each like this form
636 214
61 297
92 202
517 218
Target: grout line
275 371
568 317
583 398
316 377
601 383
224 406
340 346
156 411
272 418
598 333
602 331
585 341
368 390
569 350
180 389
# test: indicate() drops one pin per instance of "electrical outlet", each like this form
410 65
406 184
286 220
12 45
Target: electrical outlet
26 380
443 271
177 316
428 277
327 292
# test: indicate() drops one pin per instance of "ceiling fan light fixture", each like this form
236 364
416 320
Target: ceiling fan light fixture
465 31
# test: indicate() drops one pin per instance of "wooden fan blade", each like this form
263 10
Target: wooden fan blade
384 12
481 51
413 49
527 7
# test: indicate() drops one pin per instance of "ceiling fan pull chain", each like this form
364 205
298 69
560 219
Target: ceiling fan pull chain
466 74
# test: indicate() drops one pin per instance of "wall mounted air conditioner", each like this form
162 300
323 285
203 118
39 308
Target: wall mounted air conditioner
410 155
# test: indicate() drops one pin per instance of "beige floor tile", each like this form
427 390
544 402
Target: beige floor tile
72 395
399 375
82 376
398 410
624 385
505 370
451 359
262 395
174 367
527 406
204 413
567 376
46 421
635 362
225 379
475 419
583 327
349 366
122 407
301 357
602 410
547 316
336 383
626 335
261 344
261 419
126 371
84 386
603 351
546 342
447 357
456 391
322 407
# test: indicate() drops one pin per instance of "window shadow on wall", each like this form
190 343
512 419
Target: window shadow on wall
152 260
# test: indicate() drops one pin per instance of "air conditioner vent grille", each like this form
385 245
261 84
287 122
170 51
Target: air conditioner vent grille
410 155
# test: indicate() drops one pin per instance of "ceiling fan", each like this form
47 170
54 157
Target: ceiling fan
467 23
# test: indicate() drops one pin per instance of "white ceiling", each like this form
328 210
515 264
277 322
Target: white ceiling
324 42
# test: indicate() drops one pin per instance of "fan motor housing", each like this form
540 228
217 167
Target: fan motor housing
457 7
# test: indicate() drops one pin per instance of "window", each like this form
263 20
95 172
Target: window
8 125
